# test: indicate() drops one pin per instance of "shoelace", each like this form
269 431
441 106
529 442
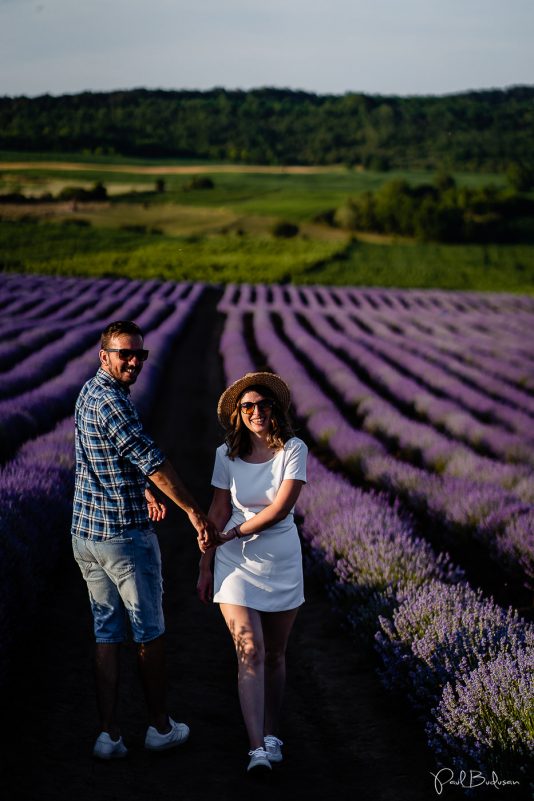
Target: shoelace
272 741
258 752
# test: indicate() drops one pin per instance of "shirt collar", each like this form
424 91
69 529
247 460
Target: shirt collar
107 380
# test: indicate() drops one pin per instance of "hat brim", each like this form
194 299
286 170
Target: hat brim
228 399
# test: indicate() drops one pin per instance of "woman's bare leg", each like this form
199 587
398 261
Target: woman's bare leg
276 630
245 627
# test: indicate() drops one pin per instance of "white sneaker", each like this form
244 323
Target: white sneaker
258 759
273 749
154 741
106 748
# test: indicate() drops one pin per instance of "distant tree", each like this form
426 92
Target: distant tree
80 194
99 191
284 230
435 223
358 214
326 217
160 185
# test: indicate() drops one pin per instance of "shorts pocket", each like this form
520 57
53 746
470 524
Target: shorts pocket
117 556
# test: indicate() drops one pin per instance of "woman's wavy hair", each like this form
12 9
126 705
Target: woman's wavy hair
238 440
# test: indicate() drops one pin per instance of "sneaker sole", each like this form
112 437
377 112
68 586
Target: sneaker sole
109 757
260 770
167 746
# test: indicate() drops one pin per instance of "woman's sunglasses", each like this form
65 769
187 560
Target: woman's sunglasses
248 407
126 353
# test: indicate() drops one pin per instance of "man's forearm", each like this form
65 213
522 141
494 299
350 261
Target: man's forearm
167 480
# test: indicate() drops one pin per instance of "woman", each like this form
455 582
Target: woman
257 577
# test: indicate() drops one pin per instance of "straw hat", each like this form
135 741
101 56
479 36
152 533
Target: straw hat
228 400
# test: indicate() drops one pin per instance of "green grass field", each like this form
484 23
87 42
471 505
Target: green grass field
224 233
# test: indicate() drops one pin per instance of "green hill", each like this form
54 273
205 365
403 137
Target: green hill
484 130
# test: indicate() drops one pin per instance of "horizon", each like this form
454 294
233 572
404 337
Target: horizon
208 90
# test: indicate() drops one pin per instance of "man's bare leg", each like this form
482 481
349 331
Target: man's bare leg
107 669
152 663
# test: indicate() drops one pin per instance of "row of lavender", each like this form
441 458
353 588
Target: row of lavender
464 663
36 484
355 403
451 360
40 382
490 338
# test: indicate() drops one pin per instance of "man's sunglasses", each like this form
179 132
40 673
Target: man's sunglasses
248 407
126 353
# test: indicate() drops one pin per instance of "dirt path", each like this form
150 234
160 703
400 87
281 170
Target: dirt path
345 738
171 169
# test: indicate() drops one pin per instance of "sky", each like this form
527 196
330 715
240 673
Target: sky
387 47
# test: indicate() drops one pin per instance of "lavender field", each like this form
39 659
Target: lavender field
418 516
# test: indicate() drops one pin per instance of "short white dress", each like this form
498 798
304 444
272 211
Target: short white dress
262 571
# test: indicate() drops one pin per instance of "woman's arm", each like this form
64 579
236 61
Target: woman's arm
205 576
285 499
219 512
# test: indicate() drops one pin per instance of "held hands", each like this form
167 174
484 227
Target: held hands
205 578
207 536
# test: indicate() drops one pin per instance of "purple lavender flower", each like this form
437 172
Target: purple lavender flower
485 718
441 631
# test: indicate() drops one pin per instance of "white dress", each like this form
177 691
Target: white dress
262 571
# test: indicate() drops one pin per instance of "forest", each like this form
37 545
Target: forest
489 130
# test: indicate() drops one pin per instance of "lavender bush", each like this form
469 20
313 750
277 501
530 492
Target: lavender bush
485 719
439 632
369 545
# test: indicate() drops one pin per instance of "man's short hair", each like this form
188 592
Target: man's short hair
116 328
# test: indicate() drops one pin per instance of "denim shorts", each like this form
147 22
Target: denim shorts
123 576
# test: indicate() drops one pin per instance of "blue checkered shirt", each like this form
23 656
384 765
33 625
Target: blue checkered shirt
113 458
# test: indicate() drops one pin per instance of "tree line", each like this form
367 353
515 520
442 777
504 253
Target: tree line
439 212
483 130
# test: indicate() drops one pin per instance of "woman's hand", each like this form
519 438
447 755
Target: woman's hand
226 536
205 586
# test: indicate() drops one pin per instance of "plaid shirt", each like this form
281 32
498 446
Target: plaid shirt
113 457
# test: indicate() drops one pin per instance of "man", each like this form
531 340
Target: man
113 538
